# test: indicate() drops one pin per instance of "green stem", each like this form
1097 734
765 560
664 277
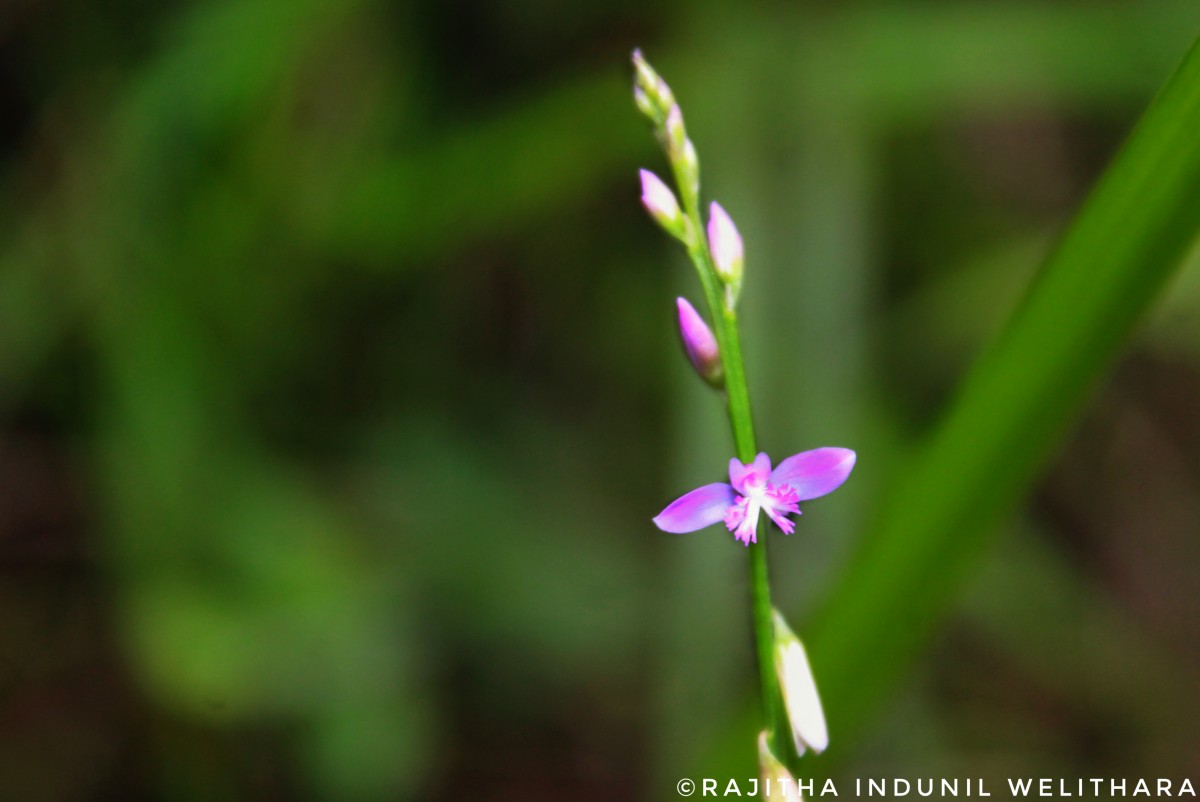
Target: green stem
725 328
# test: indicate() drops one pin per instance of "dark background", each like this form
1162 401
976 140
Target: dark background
338 386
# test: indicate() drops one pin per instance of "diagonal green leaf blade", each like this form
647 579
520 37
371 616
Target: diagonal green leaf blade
1015 405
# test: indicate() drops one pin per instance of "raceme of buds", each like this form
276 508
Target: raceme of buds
799 689
660 201
658 96
700 344
725 244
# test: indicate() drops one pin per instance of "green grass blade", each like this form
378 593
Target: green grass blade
1014 406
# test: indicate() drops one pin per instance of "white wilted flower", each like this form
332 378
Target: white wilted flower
800 697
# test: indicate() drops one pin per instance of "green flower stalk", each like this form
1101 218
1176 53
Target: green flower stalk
790 704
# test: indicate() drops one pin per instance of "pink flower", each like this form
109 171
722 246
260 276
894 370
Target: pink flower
755 487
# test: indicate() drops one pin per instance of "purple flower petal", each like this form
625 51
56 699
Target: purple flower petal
702 507
739 473
815 473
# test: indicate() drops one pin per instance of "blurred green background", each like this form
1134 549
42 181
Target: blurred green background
338 385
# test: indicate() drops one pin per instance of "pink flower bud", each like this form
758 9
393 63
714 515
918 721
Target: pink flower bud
700 344
660 202
726 245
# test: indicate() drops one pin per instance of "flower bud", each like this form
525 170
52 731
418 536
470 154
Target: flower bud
778 784
660 202
676 133
700 344
725 243
799 689
655 88
644 104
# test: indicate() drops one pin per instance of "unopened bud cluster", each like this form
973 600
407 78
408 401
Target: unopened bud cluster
657 102
651 93
719 245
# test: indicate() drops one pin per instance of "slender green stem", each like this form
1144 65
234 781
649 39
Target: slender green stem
725 327
655 100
